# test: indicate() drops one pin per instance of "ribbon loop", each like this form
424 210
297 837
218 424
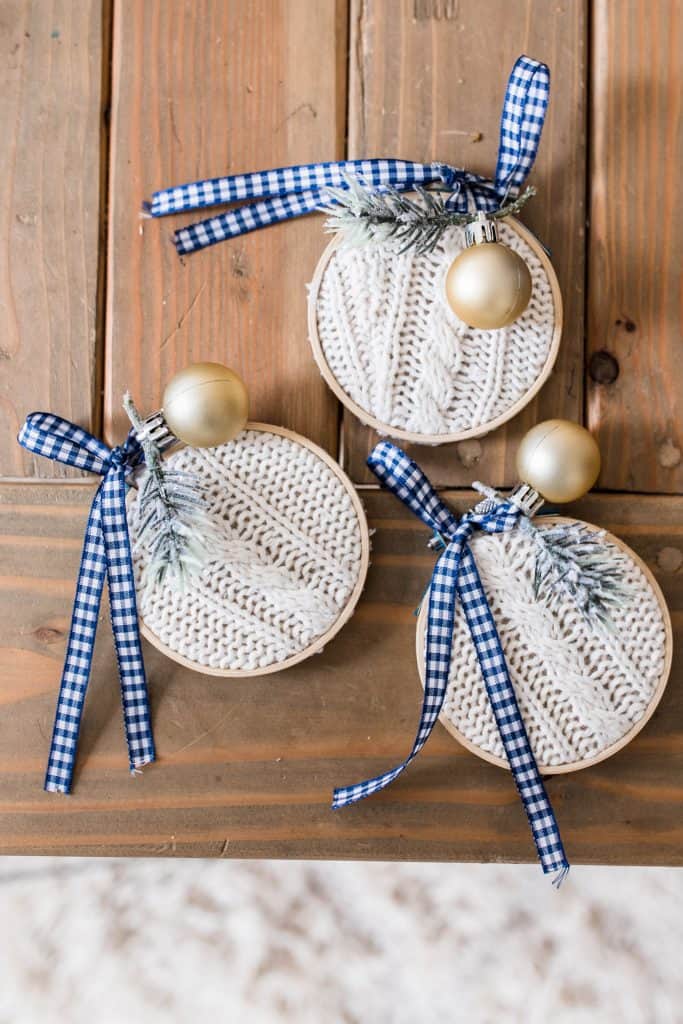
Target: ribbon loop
42 433
521 124
271 196
455 576
106 555
405 479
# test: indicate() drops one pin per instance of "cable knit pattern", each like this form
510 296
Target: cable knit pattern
396 348
286 564
579 690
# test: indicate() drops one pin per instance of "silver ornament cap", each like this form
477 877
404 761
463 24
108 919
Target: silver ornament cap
481 230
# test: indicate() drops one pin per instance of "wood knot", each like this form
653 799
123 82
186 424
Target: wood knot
48 635
670 559
603 367
668 454
240 264
469 452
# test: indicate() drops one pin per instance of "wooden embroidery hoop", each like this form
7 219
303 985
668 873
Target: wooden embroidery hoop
347 611
385 429
588 762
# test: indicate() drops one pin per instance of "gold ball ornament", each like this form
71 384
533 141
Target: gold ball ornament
488 285
206 404
559 459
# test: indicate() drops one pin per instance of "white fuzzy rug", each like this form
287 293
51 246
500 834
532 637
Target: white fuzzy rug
103 942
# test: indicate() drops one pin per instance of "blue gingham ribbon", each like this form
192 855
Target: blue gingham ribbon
456 576
287 192
106 555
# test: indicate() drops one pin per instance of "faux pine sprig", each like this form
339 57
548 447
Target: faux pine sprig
172 525
574 560
364 215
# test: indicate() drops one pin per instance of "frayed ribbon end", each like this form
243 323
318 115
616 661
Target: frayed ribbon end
57 787
560 876
140 763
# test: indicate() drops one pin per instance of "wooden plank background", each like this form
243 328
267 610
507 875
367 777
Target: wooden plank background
200 88
50 161
423 87
635 380
247 767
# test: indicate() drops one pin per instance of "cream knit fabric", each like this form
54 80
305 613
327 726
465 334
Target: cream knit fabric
394 346
286 563
579 690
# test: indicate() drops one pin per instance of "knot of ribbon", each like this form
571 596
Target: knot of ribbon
456 577
106 555
282 193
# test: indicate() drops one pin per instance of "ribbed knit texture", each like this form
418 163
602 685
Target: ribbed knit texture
580 690
286 563
402 355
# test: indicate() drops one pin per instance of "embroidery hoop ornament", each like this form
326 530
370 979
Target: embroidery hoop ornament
610 749
328 465
551 344
531 500
272 196
560 460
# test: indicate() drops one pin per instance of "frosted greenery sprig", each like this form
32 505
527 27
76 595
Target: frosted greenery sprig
363 215
572 559
171 523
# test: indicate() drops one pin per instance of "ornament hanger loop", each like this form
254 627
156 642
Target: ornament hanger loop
279 194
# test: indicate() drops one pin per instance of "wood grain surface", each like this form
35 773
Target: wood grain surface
635 378
247 767
203 88
426 82
50 112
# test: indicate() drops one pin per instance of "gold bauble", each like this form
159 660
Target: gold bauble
559 459
488 285
205 404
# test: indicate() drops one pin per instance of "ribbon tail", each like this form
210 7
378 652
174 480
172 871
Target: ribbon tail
285 192
501 693
244 219
299 178
124 620
79 651
442 598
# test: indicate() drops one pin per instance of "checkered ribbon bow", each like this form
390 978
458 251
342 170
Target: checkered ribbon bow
456 576
287 192
106 554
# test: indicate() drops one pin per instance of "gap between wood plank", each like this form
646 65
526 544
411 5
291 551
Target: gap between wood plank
103 233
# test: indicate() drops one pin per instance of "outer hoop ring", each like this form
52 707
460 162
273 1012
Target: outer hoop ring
435 439
588 762
345 613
